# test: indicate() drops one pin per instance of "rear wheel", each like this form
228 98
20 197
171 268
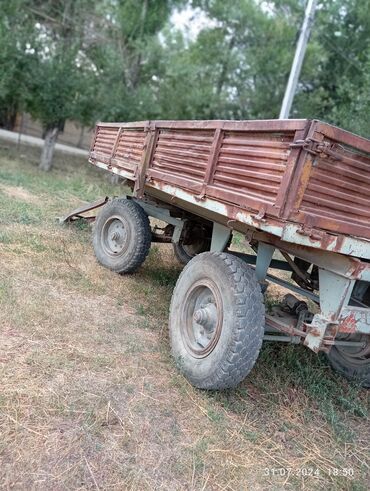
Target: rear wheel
216 320
122 236
184 253
195 239
353 362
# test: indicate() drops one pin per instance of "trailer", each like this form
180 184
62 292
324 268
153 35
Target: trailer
300 187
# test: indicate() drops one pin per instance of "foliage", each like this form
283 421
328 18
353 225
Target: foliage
338 88
15 35
128 61
125 60
59 78
231 76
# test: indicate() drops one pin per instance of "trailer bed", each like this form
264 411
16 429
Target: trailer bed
303 181
300 187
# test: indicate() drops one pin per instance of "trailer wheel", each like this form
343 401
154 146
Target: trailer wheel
352 362
216 320
122 236
184 253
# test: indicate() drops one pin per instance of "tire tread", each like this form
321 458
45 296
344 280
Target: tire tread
249 311
141 234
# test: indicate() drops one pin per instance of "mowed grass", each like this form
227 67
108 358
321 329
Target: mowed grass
89 395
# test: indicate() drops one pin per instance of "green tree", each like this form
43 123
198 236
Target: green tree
124 60
58 78
128 62
339 87
16 33
237 66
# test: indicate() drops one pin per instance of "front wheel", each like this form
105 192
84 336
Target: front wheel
353 362
216 321
122 236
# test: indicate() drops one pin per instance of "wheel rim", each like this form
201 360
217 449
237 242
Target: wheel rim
194 248
115 236
201 319
356 355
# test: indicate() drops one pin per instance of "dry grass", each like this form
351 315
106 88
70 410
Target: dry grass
90 398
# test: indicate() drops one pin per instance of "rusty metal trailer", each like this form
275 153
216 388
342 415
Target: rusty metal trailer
301 187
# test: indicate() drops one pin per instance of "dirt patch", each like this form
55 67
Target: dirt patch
18 192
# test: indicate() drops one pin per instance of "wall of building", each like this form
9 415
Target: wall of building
74 134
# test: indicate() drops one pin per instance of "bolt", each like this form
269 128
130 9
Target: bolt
200 316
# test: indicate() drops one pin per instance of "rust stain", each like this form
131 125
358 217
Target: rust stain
348 325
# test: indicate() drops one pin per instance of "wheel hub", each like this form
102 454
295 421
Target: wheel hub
206 316
202 319
115 236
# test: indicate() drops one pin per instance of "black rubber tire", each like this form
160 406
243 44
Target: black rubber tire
137 227
350 369
183 255
242 326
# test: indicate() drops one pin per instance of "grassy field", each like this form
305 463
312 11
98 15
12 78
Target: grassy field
90 398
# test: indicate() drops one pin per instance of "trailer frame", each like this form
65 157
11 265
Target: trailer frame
300 187
336 316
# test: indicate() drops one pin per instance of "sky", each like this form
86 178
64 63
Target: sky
190 21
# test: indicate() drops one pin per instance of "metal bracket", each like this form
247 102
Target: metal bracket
220 237
317 148
164 215
177 232
264 256
316 333
335 292
260 217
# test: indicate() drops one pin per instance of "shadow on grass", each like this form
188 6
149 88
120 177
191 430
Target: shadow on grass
160 272
284 374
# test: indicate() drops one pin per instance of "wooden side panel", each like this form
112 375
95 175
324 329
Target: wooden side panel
105 138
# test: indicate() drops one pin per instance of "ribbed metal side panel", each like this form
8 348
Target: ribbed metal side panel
338 189
282 172
251 166
129 149
181 154
120 148
105 140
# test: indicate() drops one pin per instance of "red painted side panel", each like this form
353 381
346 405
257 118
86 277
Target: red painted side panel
305 172
250 167
337 193
181 157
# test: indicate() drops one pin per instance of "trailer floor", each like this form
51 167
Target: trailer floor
89 395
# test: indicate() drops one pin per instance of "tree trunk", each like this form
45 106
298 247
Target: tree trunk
81 138
225 67
47 153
